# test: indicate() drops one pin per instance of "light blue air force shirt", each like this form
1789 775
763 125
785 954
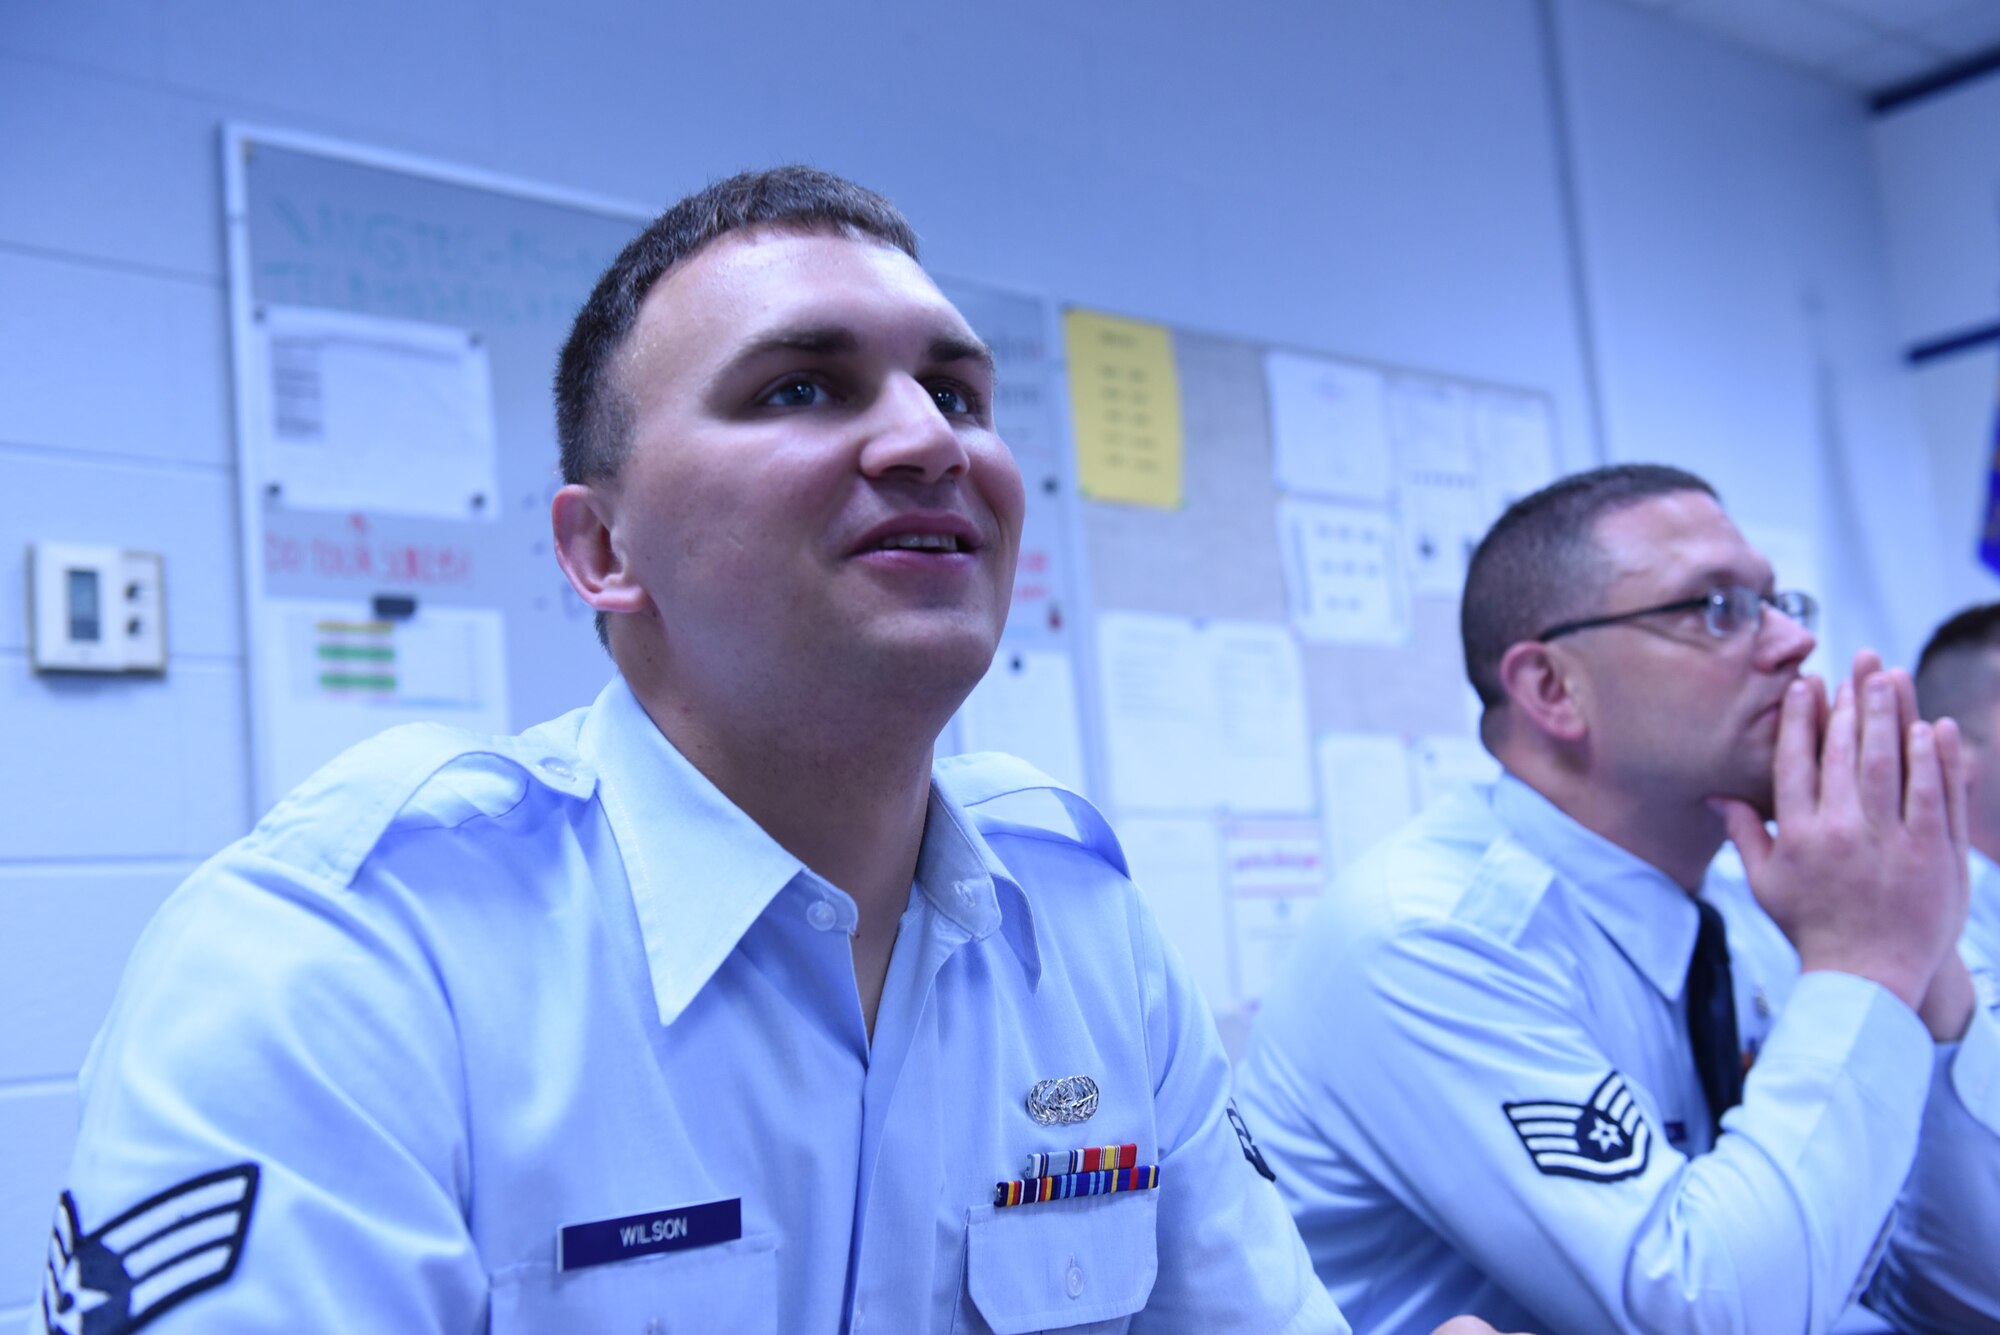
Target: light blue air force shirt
1476 1087
1982 924
458 994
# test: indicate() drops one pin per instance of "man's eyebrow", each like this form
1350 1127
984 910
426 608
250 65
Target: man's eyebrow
951 348
837 341
830 340
1721 576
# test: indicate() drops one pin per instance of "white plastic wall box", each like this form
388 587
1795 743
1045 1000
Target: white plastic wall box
96 609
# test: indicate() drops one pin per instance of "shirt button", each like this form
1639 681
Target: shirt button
821 915
1073 1280
555 769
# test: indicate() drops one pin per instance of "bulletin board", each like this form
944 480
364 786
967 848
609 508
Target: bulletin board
395 327
1234 623
1275 544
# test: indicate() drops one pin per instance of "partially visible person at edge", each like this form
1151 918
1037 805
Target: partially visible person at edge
1507 1073
1958 677
714 1004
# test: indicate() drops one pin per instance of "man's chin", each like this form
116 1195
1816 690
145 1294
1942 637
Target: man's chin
935 661
1756 792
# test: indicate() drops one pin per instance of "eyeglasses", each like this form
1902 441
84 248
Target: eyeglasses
1728 612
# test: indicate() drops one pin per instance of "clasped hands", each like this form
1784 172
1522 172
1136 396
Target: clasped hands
1867 872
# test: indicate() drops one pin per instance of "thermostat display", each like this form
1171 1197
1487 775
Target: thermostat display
96 609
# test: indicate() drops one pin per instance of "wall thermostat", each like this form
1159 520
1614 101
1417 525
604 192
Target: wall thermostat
96 609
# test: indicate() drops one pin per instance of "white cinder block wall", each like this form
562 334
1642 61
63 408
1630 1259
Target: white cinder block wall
1382 180
1938 162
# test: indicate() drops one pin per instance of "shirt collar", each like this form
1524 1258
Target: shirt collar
1647 916
964 879
702 871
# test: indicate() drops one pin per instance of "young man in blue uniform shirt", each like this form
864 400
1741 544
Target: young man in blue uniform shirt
713 1005
1506 1073
1958 677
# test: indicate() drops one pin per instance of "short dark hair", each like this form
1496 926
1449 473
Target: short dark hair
593 414
1540 563
1958 673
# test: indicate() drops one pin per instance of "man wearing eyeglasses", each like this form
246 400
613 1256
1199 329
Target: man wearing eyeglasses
1540 1060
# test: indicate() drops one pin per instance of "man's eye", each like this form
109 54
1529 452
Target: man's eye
794 394
951 400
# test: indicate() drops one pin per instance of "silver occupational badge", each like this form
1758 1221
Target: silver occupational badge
1063 1102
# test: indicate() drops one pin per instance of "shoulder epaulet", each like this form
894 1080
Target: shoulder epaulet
329 824
1505 891
1006 795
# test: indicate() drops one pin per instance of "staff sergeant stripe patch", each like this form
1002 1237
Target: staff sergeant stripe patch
1603 1139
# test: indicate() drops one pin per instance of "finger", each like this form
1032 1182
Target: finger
1746 830
1881 773
1906 698
1839 747
1952 761
1795 768
1866 664
1923 798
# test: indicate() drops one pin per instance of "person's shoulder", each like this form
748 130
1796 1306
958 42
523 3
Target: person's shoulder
1454 867
1006 798
411 778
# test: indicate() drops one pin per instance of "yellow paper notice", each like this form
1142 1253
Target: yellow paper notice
1125 401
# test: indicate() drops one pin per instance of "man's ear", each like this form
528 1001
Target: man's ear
1542 685
582 517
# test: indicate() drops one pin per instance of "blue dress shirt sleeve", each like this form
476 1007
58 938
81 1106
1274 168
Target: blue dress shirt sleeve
285 1023
1230 1257
1405 1046
280 1017
1939 1274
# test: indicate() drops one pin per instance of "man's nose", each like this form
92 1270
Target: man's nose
909 433
1782 642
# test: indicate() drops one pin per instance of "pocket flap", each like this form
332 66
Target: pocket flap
1062 1263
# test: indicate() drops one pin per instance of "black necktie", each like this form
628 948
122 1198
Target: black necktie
1711 1003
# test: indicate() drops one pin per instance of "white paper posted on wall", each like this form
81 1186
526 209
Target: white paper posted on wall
1026 705
1365 791
1203 716
1176 862
1343 572
1329 427
338 675
361 413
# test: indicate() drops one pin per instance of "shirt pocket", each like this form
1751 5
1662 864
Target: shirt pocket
1078 1265
730 1286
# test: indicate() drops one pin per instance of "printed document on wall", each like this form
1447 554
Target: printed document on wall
1157 697
1517 446
1026 705
1275 874
361 413
1263 758
1329 427
337 675
1442 501
1177 864
1125 409
1364 785
1343 571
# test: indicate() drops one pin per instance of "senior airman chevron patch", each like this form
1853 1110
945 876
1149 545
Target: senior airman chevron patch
152 1257
1603 1139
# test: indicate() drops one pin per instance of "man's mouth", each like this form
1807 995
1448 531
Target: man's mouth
939 533
919 542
